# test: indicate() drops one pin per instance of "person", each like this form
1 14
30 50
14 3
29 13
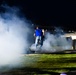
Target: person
38 36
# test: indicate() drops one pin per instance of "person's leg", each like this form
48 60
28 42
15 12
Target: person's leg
36 40
40 39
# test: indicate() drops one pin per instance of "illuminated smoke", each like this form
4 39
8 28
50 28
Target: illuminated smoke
14 35
54 42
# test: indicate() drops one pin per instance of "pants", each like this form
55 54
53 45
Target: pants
38 40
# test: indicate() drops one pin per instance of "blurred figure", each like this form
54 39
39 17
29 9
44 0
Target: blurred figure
45 32
38 36
43 35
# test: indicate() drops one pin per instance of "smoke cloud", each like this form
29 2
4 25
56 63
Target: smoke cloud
14 36
54 42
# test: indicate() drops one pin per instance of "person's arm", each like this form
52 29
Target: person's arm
43 31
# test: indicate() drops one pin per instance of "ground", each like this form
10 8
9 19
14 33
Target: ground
45 64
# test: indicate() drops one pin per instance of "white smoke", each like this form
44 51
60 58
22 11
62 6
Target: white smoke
54 42
14 35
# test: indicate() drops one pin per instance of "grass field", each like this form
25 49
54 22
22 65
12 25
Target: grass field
45 64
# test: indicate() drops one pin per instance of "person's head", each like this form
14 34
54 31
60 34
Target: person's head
37 27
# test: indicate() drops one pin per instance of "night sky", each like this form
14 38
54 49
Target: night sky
47 12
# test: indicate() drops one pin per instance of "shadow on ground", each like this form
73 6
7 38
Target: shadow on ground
28 71
37 71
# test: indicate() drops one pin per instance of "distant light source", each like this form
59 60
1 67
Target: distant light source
73 37
69 31
32 24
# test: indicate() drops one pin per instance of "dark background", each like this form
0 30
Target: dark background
47 13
